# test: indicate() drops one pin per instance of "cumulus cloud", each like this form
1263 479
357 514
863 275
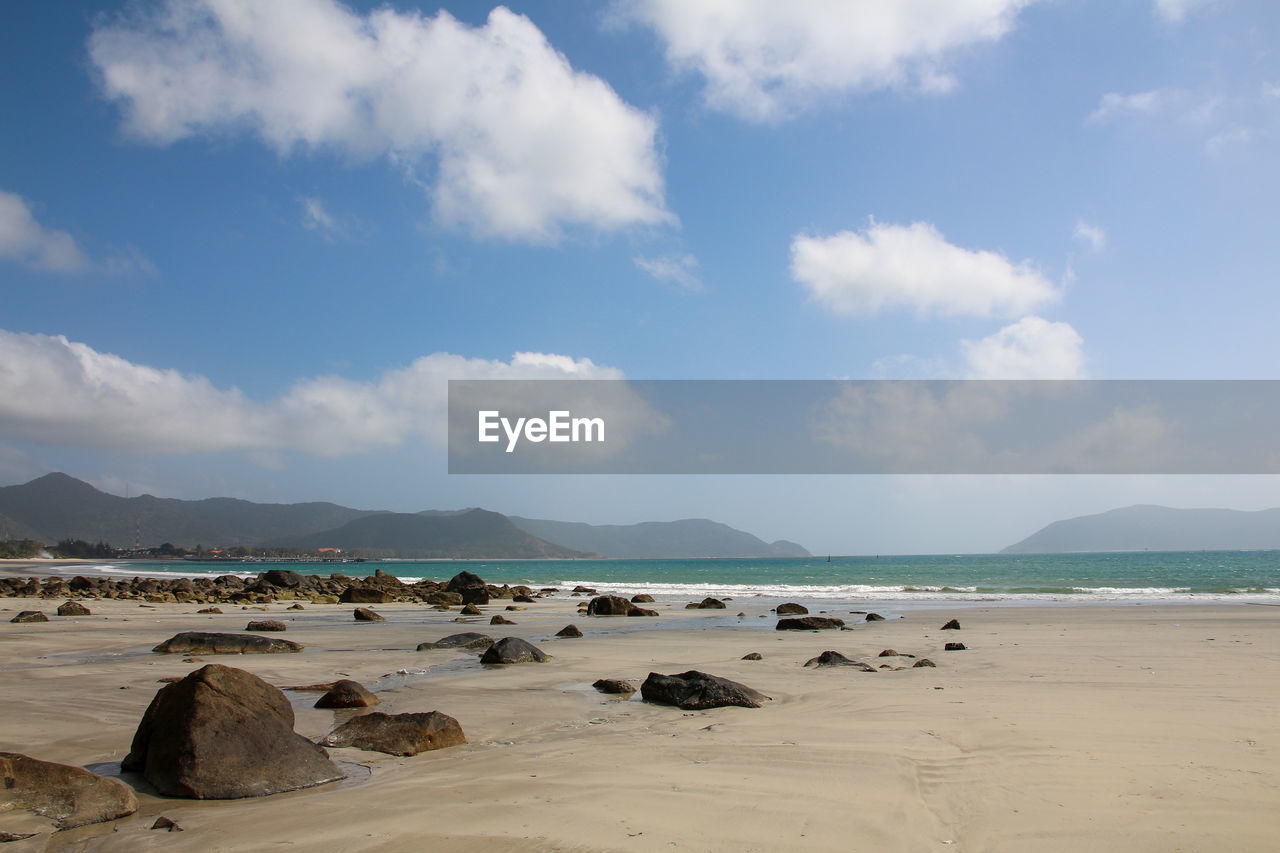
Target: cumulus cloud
681 270
762 59
913 266
59 392
521 145
1091 236
26 241
1032 348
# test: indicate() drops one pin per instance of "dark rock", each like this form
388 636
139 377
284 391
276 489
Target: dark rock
30 616
614 686
923 662
169 824
398 734
347 694
471 587
465 640
953 625
953 647
588 590
696 691
514 650
705 604
266 625
610 605
217 610
365 595
569 631
874 617
297 607
792 609
753 656
522 598
888 653
642 598
442 598
223 733
837 659
499 619
809 623
471 610
640 611
69 796
209 643
282 578
364 614
73 608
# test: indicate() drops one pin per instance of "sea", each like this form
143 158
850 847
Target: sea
1134 577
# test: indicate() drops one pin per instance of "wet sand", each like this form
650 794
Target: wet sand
1120 727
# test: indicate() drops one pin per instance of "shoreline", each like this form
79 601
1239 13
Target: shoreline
1137 728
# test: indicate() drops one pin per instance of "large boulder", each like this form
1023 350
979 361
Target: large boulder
347 694
465 640
398 734
569 631
266 625
696 691
809 623
705 604
365 595
642 598
222 733
514 650
282 578
471 587
69 796
210 643
364 614
73 608
30 616
792 609
610 605
614 685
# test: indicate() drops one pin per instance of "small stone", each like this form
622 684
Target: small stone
792 609
217 610
266 625
809 623
953 625
163 822
499 619
347 694
753 656
614 686
30 616
73 608
569 631
888 653
874 617
471 610
364 614
953 647
514 650
923 662
297 607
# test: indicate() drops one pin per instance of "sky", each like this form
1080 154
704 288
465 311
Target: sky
243 245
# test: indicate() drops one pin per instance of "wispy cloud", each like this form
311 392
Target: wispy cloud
1092 237
681 270
36 246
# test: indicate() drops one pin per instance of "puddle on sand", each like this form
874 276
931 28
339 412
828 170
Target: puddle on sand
352 775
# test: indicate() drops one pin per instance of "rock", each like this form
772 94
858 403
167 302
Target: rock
499 619
465 640
209 643
347 694
610 605
282 578
471 610
923 662
696 691
705 604
223 733
365 595
588 590
642 598
266 625
837 659
398 734
888 653
73 608
69 796
614 686
514 650
217 610
569 631
521 598
30 616
952 625
874 617
753 656
640 611
792 609
169 824
297 607
364 614
471 587
953 647
809 623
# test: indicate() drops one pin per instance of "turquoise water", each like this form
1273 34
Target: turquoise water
1174 575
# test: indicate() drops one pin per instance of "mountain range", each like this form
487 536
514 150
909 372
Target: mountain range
1156 528
58 506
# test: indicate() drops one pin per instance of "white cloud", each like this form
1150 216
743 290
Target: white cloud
679 269
1032 348
913 266
764 59
59 392
33 245
1220 142
522 146
1091 236
1176 11
316 217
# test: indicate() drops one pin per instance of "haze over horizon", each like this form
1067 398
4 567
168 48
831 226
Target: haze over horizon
243 246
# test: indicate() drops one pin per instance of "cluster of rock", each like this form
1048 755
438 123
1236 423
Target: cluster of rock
270 586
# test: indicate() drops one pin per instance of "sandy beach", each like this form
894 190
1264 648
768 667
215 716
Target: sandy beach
1136 728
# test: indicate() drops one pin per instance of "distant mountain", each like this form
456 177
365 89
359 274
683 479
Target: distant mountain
465 534
1156 528
686 539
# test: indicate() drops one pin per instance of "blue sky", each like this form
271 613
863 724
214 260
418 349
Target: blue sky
242 245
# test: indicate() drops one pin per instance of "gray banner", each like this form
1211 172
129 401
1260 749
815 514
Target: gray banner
863 427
